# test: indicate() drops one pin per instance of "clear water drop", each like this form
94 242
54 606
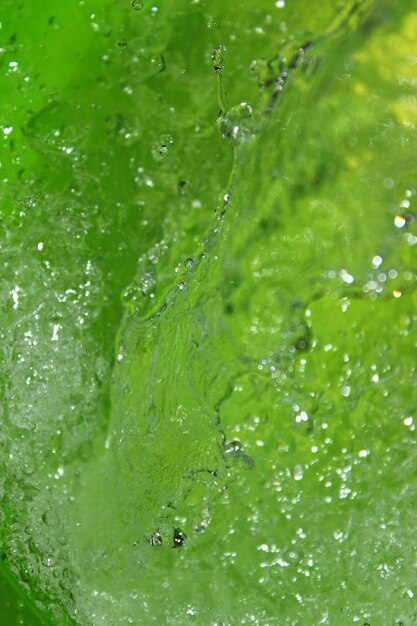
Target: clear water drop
166 139
158 62
213 23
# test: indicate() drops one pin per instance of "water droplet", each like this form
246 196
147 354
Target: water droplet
182 185
121 43
234 448
166 139
161 149
47 560
179 538
158 63
156 539
50 518
218 58
298 472
235 125
136 5
213 23
292 557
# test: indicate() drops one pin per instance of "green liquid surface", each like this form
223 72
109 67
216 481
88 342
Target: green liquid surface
208 312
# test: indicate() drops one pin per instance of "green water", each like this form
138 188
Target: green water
207 311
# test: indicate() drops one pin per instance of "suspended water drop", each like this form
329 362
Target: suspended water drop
218 58
166 139
158 63
179 538
213 23
182 185
235 123
156 539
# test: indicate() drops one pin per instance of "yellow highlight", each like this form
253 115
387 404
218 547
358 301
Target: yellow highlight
405 111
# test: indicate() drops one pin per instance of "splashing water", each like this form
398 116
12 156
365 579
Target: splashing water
224 463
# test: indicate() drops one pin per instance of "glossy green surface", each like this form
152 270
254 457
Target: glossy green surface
207 318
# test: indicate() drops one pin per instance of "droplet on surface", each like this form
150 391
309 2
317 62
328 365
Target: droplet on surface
136 5
121 43
234 448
